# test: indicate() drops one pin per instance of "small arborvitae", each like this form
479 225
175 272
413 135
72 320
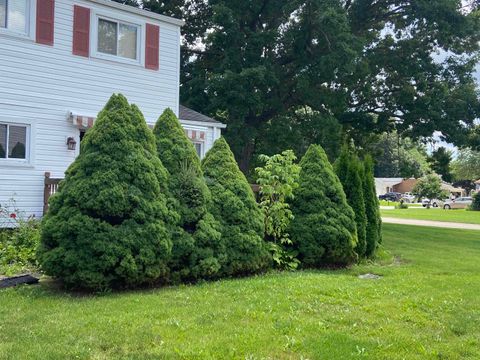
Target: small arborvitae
198 251
234 205
323 229
350 172
476 202
372 208
108 226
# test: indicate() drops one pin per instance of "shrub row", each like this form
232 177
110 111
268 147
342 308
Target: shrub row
138 207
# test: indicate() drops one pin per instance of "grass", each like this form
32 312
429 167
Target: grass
426 306
396 203
436 214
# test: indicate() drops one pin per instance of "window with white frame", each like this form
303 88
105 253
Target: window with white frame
199 148
14 15
117 38
13 141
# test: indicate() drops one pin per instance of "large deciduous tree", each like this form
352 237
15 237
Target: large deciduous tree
373 65
440 162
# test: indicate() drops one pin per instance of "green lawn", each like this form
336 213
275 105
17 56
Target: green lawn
461 216
427 306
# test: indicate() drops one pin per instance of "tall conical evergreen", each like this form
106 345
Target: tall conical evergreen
372 208
107 226
350 172
198 251
235 207
323 230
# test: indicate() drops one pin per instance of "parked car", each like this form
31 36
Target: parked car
458 203
434 202
391 196
408 198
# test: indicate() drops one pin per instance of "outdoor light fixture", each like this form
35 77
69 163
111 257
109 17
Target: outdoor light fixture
71 143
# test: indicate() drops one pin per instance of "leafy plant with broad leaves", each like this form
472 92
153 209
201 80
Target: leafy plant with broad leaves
278 178
19 239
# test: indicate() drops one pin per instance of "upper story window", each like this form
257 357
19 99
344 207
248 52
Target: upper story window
118 39
14 15
13 141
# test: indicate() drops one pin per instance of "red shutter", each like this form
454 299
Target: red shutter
45 21
81 31
152 44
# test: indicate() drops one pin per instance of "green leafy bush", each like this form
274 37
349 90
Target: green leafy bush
401 205
108 225
323 229
234 205
430 186
198 251
278 178
19 240
372 208
350 172
476 202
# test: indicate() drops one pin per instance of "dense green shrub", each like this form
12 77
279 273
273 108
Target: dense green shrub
278 178
198 251
323 229
430 187
350 172
234 205
372 208
108 225
19 239
476 202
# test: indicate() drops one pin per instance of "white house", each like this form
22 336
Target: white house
60 61
385 185
477 186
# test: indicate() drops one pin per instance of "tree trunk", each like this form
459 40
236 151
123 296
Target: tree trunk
246 157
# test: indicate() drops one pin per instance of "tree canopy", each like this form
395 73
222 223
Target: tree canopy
440 162
374 65
467 165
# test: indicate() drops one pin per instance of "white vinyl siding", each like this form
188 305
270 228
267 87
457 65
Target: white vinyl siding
41 84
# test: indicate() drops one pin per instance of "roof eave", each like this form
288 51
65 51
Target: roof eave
141 12
204 123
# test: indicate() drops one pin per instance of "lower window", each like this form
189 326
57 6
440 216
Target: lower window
13 141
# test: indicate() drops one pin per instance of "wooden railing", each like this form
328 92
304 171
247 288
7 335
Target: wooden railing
50 188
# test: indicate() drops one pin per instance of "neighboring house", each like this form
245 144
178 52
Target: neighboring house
385 185
60 61
477 185
406 185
